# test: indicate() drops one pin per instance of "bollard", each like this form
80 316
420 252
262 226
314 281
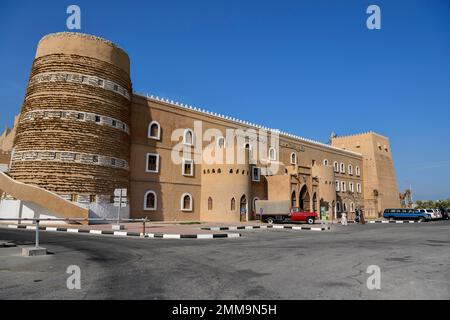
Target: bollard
36 245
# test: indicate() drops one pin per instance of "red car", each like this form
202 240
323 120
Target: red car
295 215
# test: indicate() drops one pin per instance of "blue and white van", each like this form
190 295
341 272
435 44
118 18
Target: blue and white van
406 214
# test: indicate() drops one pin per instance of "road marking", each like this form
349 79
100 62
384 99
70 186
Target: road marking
204 236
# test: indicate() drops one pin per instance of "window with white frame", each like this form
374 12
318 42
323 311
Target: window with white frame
344 207
188 137
150 201
351 186
352 207
350 169
342 167
154 130
152 164
343 186
358 187
337 185
272 154
293 158
188 167
357 171
256 174
338 206
186 202
336 166
325 162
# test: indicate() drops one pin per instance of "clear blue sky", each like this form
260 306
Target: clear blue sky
313 60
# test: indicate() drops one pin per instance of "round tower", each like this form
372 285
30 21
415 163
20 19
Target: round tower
327 189
73 135
226 190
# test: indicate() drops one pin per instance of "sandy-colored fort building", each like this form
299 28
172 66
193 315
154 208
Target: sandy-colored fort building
82 132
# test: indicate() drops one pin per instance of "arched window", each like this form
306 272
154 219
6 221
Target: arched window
221 142
150 201
338 206
186 202
358 171
293 199
351 186
336 166
343 186
342 167
358 187
352 207
188 137
344 207
210 203
272 154
293 158
350 169
325 162
233 204
337 185
154 130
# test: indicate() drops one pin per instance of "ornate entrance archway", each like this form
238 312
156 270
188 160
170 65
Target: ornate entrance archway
304 200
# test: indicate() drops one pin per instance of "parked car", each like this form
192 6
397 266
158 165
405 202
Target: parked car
438 213
406 214
431 212
445 214
281 211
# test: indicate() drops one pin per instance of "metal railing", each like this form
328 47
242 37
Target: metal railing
38 220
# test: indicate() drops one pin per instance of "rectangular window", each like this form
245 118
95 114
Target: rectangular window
113 161
80 116
256 174
116 87
188 167
114 123
97 119
152 163
100 82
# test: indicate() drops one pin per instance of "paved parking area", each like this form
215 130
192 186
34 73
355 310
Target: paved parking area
275 264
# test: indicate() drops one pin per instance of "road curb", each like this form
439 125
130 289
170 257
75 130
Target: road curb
386 221
266 227
130 234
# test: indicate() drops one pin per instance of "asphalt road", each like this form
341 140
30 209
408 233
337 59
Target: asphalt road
265 264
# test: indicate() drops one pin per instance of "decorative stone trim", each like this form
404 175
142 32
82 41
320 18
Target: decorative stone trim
76 115
81 79
69 156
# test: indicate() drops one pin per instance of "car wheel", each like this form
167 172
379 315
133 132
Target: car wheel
422 220
270 220
310 220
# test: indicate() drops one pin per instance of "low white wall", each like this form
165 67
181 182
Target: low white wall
18 209
105 211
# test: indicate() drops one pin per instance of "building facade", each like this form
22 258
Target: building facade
82 133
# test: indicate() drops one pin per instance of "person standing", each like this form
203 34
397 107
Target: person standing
344 221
